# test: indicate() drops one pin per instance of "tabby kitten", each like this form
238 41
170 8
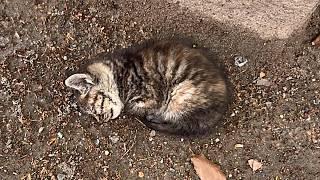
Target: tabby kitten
171 86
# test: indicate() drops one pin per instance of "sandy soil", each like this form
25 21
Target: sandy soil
44 136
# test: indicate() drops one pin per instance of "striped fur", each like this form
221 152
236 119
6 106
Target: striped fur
171 86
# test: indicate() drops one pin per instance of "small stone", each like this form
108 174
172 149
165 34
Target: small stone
106 152
263 82
4 80
61 176
16 35
254 164
4 41
217 140
60 135
152 133
281 116
268 104
316 101
40 130
97 142
262 74
240 61
9 144
140 174
238 146
65 57
114 139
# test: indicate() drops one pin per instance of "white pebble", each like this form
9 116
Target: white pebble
114 139
240 61
40 130
152 133
60 135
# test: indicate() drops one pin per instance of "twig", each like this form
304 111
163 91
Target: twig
134 142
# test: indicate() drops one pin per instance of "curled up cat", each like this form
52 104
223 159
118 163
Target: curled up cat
170 86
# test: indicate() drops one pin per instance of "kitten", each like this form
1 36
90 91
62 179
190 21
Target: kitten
170 85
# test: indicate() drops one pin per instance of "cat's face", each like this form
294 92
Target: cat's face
96 95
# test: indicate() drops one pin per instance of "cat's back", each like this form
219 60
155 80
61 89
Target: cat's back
178 61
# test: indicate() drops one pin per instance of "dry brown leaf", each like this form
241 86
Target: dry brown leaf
207 170
254 164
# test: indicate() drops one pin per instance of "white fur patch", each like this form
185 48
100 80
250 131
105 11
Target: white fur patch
108 86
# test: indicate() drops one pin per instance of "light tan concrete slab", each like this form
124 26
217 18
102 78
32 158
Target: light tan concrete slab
269 18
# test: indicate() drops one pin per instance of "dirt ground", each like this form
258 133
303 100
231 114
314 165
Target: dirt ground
274 117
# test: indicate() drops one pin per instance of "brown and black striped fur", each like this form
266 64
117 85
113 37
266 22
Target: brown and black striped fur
170 85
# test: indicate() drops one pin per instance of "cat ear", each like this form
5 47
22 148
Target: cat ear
81 82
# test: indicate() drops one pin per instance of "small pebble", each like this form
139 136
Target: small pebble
60 135
61 176
240 61
141 174
263 82
9 143
16 35
262 74
281 116
268 104
97 142
4 41
106 152
152 133
217 140
238 146
40 130
114 139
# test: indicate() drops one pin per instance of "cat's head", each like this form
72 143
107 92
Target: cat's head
98 92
